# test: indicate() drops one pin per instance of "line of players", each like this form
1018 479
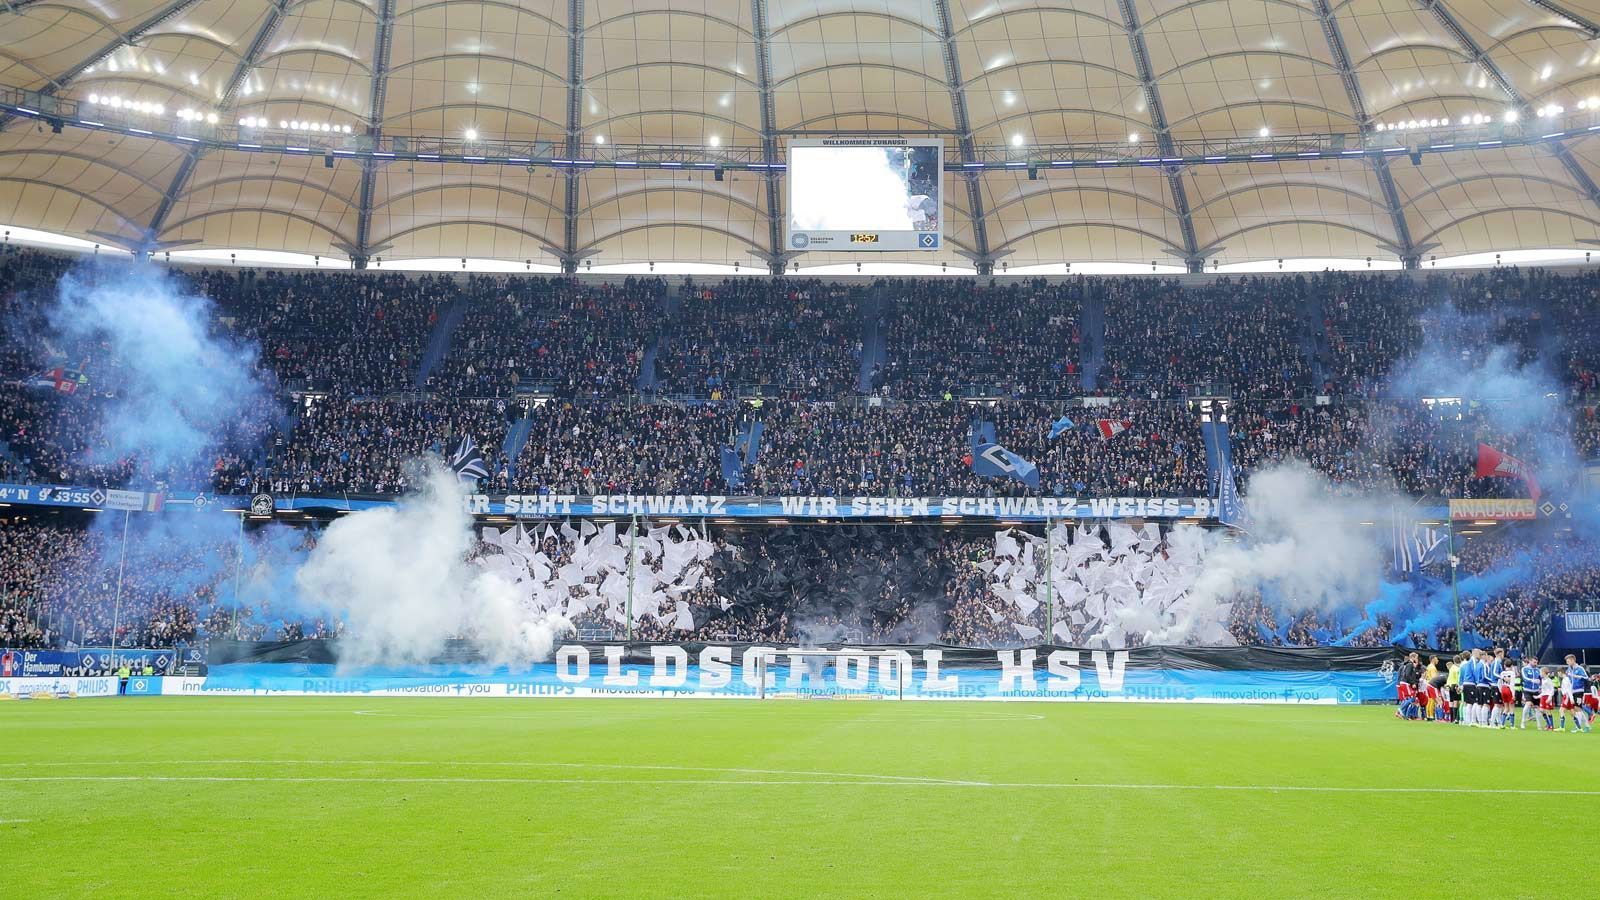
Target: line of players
1484 689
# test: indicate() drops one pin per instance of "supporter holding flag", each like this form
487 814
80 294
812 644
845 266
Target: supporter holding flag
990 460
1494 464
1110 428
1060 426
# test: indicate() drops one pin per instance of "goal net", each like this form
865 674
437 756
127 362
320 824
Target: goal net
846 674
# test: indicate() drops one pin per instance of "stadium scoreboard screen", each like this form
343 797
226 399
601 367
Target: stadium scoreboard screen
866 194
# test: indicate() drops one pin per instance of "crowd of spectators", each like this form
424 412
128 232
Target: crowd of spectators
1020 340
1164 340
558 336
357 341
348 444
360 333
791 338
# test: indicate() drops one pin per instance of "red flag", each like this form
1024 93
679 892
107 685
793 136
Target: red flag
1110 428
1494 464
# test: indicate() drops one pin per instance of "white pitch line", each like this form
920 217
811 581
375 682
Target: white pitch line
1263 788
496 763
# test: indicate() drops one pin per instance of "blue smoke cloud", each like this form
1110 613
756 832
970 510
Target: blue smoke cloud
178 383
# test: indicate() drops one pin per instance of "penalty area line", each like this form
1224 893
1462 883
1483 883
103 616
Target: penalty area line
732 782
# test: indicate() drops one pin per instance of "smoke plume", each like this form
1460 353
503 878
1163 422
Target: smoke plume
400 579
178 385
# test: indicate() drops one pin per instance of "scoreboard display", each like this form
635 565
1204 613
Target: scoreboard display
865 194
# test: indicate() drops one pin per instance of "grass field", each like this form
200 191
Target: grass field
233 797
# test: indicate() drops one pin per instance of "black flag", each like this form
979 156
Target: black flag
467 462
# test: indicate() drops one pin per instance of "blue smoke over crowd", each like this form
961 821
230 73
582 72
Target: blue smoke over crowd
183 388
1513 387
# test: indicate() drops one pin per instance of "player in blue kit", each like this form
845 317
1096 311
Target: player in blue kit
1528 697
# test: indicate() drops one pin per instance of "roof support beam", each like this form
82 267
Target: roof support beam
361 252
171 10
981 257
569 255
151 239
1194 257
1410 255
252 56
1556 9
1575 170
776 259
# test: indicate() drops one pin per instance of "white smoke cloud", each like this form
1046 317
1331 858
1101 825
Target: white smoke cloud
400 579
1307 547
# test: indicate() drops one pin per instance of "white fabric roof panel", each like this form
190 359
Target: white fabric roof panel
686 73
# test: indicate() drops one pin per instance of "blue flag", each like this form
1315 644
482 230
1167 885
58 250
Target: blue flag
1230 508
1416 545
1061 426
991 460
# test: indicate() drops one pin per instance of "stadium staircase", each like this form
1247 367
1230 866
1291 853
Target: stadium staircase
874 342
648 382
517 438
1092 346
9 454
439 341
1314 340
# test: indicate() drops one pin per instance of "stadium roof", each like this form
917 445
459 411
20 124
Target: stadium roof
1335 129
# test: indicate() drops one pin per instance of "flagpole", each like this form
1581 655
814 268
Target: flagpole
1049 582
116 609
633 541
1455 594
238 561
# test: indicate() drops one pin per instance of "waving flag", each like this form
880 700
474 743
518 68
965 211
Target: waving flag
1061 426
467 462
994 461
1417 545
1494 464
61 379
1110 428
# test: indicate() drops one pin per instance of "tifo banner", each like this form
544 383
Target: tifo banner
1493 509
81 687
746 671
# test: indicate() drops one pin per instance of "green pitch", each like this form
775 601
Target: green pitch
229 797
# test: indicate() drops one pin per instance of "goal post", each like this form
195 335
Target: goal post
846 673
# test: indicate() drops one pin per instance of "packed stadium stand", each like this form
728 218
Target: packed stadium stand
549 377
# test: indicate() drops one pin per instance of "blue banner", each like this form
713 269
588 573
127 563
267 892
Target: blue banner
88 661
